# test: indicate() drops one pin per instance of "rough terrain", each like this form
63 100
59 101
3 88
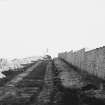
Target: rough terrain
53 82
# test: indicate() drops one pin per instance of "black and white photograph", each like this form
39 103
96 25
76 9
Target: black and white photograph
52 52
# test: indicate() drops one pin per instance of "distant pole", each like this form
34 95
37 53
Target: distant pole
47 51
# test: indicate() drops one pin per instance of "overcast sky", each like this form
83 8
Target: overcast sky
28 27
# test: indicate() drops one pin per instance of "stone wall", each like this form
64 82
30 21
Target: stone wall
92 61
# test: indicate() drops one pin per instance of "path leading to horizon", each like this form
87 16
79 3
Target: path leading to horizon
51 82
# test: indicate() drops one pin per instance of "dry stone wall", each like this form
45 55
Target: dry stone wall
92 61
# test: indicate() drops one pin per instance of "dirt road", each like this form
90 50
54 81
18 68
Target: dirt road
49 82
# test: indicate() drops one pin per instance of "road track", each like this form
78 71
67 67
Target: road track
47 82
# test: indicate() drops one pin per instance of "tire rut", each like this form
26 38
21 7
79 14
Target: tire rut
21 92
50 82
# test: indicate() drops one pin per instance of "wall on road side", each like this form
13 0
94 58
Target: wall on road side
92 61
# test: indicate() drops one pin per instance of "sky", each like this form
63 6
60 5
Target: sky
29 27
